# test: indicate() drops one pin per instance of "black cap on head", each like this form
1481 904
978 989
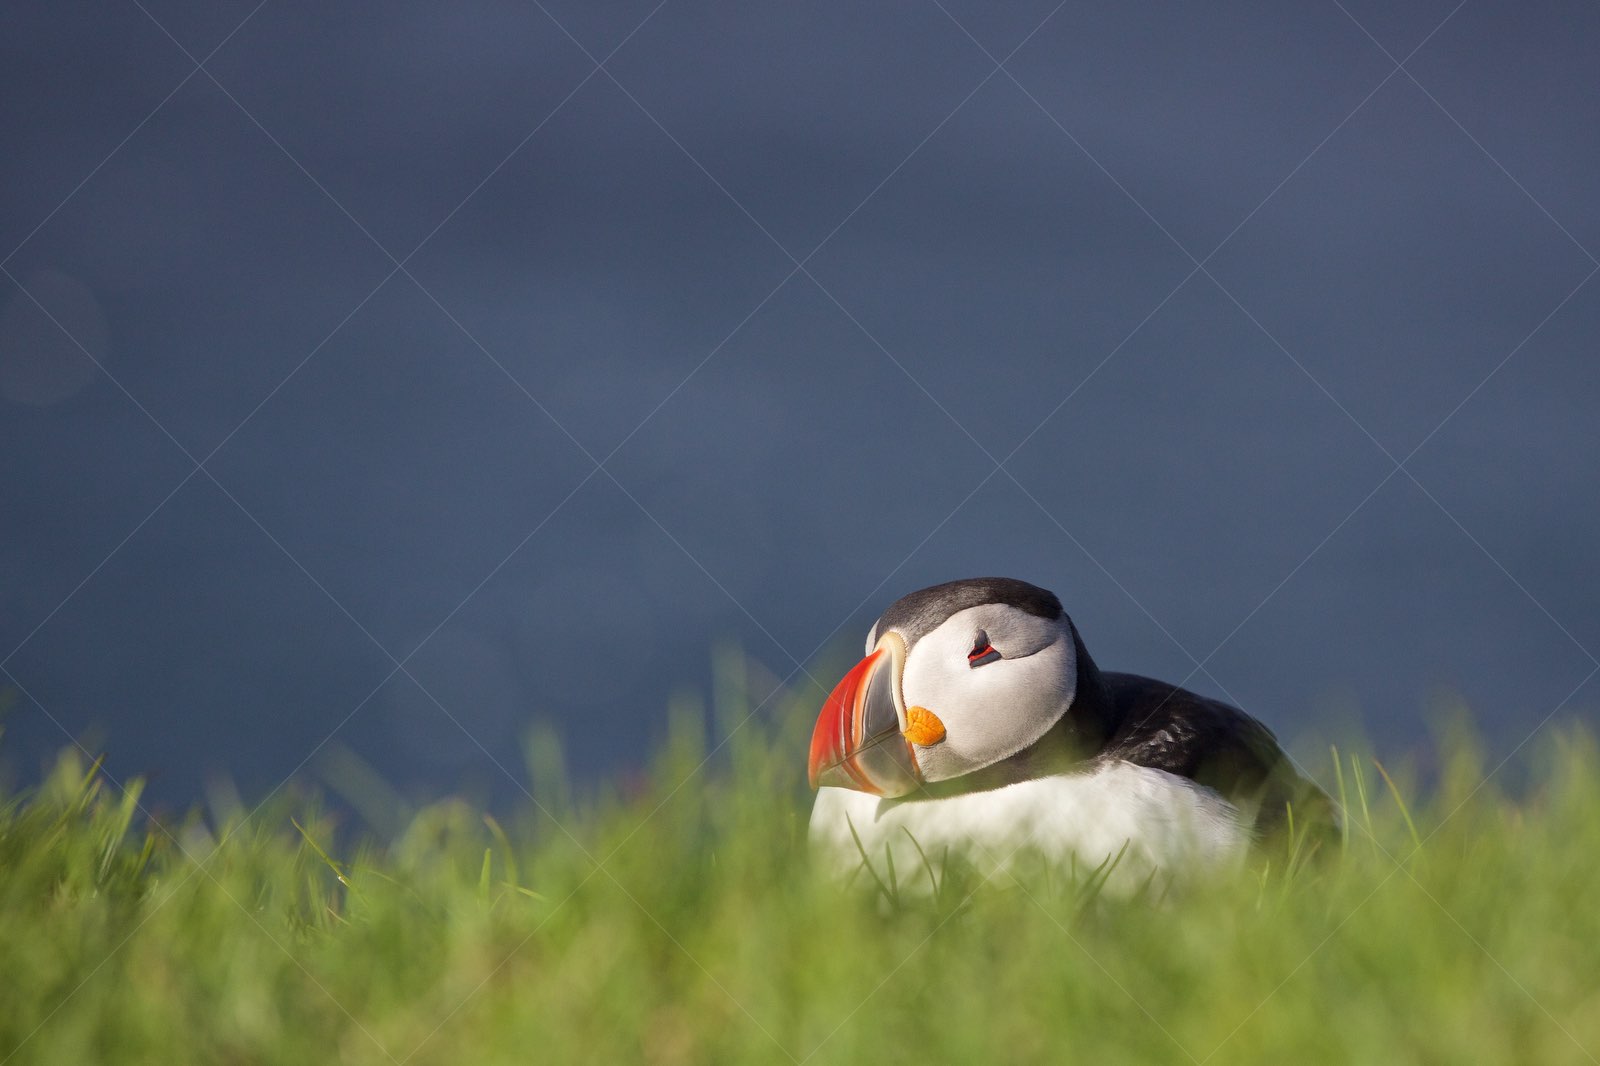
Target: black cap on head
919 613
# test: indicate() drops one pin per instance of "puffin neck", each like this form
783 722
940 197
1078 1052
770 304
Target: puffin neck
1067 746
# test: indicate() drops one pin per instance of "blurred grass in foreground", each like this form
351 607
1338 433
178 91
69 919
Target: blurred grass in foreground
1462 929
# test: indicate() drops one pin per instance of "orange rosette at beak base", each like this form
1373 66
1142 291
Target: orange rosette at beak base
923 726
860 739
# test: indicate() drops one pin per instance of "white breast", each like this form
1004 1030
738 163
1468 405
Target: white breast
1166 822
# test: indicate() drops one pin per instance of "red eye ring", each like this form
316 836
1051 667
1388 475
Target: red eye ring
982 651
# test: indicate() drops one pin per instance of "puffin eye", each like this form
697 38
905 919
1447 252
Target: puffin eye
982 651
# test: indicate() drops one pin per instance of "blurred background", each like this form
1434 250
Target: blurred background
381 379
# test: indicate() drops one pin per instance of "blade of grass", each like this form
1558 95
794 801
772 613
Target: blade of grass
1399 801
1344 800
505 846
926 865
1360 779
323 855
865 861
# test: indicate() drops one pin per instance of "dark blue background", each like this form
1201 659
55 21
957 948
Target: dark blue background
1286 353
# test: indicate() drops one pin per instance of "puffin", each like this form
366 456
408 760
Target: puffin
978 725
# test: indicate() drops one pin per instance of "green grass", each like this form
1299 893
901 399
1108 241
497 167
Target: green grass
1460 928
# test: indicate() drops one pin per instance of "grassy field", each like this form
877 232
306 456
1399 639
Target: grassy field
684 925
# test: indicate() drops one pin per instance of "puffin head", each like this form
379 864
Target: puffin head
957 677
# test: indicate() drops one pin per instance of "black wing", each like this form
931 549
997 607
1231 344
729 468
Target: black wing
1214 744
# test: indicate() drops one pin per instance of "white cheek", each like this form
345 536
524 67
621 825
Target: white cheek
989 712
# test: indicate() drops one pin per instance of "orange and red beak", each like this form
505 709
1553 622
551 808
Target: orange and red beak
859 741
